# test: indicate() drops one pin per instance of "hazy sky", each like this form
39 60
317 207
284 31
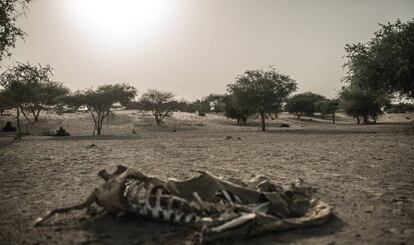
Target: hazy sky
196 47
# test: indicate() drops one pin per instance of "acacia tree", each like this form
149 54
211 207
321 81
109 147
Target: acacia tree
216 102
357 102
262 91
9 32
201 106
234 110
21 83
100 101
14 95
327 106
40 90
385 63
49 93
4 103
161 104
304 103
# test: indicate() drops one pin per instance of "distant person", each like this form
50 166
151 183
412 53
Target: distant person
8 127
61 132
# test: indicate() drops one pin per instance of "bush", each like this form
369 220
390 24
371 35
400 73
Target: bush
399 108
304 103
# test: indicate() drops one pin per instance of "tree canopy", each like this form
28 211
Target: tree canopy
100 101
234 110
327 106
4 103
161 104
31 88
215 102
386 62
10 10
261 91
304 103
357 103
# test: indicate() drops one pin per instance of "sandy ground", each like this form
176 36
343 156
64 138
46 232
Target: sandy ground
365 172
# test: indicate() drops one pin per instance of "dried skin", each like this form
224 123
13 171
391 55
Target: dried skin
221 214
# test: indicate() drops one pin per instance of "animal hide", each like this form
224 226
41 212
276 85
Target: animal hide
221 208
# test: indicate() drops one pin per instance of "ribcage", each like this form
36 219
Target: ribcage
155 202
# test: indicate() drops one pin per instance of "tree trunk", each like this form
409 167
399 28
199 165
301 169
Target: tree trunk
33 111
101 117
36 116
157 120
98 126
24 114
375 120
365 119
262 117
333 117
95 123
19 131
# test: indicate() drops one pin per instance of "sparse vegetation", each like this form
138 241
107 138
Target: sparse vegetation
29 88
161 104
216 102
359 103
399 108
200 106
40 91
327 106
234 110
365 172
303 104
100 101
261 91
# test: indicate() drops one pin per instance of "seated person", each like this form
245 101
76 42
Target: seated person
8 127
61 132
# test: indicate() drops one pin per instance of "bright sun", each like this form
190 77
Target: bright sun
117 21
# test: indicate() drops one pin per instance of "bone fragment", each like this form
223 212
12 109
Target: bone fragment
227 196
170 202
167 214
177 217
262 208
85 204
245 217
148 194
158 199
189 217
197 198
126 190
237 199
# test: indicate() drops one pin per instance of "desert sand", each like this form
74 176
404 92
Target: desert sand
366 172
